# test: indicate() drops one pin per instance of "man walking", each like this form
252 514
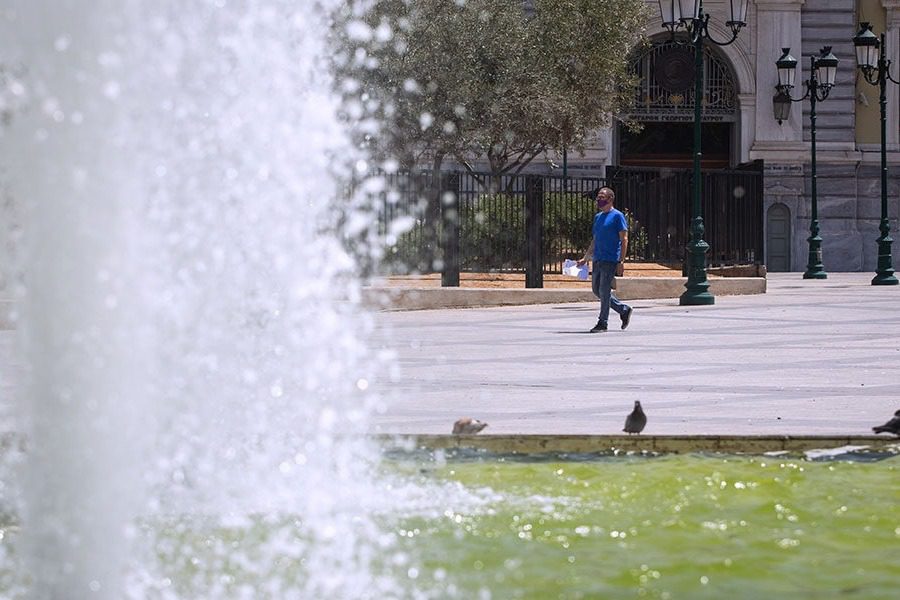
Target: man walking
608 248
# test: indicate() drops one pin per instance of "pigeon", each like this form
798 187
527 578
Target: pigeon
636 421
892 426
468 425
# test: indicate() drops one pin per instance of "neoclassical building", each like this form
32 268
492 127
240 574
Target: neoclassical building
739 124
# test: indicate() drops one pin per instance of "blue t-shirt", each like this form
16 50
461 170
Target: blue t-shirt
607 245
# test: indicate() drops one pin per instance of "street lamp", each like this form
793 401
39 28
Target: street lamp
870 57
822 72
688 14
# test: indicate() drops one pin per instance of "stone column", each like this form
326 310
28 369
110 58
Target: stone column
892 36
777 26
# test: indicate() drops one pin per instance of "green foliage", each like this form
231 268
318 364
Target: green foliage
567 225
406 253
481 78
492 232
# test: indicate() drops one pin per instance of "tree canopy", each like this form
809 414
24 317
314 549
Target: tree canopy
496 80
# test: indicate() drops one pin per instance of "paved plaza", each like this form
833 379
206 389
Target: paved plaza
806 358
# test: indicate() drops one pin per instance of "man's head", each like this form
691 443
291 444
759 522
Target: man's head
605 199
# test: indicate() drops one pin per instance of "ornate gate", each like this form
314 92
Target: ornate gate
666 88
664 101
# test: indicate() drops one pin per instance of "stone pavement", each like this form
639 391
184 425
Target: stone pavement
806 358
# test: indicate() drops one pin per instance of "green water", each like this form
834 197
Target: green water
612 527
669 527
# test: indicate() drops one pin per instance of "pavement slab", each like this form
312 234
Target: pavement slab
809 357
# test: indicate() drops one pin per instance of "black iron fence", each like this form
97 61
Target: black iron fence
532 223
493 214
660 201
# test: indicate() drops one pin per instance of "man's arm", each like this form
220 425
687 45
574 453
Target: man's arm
620 268
588 254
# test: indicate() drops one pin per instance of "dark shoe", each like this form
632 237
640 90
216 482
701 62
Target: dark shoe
626 317
599 327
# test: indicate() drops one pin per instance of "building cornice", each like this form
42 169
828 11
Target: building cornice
799 153
779 5
779 152
778 146
871 153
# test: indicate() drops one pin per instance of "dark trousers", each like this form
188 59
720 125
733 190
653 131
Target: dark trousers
601 283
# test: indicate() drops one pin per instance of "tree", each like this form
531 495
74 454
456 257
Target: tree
496 80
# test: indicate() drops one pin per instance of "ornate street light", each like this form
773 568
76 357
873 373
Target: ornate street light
689 15
870 58
781 106
822 72
787 70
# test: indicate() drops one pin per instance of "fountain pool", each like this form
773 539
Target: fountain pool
671 526
666 527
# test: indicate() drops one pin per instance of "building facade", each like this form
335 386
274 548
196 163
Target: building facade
739 124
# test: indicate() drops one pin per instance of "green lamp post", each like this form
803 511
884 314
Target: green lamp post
870 58
822 73
688 14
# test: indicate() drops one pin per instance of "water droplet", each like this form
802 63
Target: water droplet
112 90
359 31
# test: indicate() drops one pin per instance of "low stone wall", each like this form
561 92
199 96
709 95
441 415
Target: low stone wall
628 288
738 271
667 444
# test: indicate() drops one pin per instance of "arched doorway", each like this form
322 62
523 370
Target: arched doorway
778 238
664 105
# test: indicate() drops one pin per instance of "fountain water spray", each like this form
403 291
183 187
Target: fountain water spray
187 323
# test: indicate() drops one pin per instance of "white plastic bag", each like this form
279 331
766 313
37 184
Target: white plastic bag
570 267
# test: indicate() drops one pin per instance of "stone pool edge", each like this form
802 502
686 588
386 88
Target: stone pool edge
670 444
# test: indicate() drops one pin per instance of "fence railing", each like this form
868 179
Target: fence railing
476 223
660 201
